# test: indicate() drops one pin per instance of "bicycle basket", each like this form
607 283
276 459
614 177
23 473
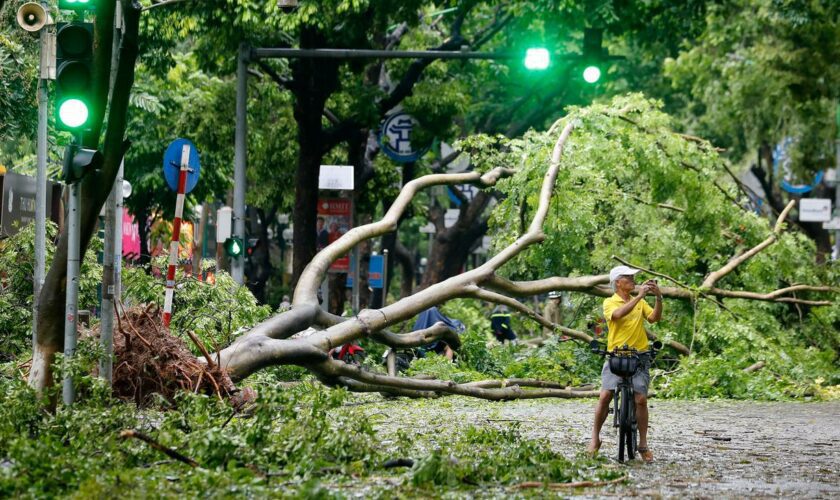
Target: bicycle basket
624 366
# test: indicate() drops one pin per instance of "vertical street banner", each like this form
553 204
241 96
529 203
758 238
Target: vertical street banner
376 271
335 217
130 236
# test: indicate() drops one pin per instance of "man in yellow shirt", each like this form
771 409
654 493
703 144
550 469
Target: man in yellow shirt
625 319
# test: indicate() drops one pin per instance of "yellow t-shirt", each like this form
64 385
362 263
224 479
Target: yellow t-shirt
630 329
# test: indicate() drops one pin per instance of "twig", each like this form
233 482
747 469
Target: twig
716 276
202 348
665 276
754 367
131 433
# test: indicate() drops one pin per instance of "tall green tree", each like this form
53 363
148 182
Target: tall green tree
762 71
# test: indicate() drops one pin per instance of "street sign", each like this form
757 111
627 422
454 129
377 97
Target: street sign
376 271
815 210
395 138
782 160
17 202
832 225
337 177
172 165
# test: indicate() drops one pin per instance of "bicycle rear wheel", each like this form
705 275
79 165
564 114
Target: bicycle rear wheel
632 429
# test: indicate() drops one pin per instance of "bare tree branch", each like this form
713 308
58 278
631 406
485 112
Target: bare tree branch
716 276
338 368
519 306
438 331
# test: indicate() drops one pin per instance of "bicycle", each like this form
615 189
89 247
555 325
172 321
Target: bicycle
624 362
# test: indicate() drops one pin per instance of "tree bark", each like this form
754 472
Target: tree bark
314 81
453 245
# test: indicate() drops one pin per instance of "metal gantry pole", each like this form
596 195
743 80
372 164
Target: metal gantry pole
70 317
113 221
837 194
237 264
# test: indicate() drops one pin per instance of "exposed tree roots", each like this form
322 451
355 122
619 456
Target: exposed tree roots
149 359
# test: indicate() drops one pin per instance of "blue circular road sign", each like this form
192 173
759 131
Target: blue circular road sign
172 165
395 138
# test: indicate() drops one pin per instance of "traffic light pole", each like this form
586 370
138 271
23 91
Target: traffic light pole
237 262
73 259
41 177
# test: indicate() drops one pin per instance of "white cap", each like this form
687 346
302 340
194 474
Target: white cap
554 295
619 271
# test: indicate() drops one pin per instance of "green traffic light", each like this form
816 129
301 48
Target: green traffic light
233 247
73 113
537 58
592 74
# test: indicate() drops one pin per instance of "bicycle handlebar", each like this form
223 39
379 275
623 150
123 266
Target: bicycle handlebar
595 347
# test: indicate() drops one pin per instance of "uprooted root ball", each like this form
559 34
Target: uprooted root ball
149 359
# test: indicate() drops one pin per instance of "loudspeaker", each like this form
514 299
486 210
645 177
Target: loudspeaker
32 17
287 5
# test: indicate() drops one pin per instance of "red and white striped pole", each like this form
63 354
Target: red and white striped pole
176 235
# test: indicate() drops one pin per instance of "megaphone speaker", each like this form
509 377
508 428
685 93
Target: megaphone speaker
31 16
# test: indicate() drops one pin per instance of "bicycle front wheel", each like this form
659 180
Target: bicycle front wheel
626 434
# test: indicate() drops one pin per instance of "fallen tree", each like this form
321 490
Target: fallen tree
271 342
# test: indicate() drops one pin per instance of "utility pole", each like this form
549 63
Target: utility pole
112 223
240 159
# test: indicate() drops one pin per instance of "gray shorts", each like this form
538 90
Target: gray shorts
641 380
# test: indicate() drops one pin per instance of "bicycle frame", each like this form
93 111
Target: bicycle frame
624 400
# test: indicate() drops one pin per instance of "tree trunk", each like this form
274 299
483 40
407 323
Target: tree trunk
95 188
314 81
259 267
452 246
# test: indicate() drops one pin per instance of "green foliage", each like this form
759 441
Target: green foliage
17 262
216 313
18 78
496 455
297 433
762 70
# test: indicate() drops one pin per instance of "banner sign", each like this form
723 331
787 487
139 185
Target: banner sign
17 202
336 177
815 210
335 217
130 236
376 271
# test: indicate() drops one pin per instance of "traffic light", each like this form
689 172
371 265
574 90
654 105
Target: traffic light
593 54
592 74
253 243
76 4
233 247
537 58
78 162
74 75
